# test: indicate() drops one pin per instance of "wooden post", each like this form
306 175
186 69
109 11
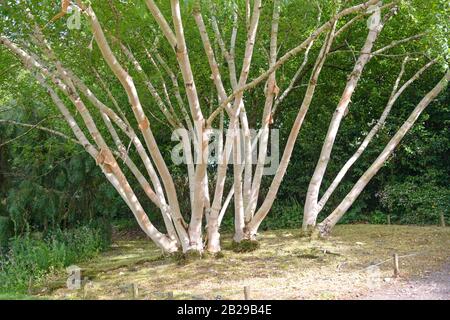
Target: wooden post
85 291
86 285
247 292
134 291
396 269
389 219
30 286
442 220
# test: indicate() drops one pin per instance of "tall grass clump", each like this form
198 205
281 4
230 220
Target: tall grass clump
30 258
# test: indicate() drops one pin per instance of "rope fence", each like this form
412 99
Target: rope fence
132 291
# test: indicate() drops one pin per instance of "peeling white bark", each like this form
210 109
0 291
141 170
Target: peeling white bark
156 180
380 123
312 195
324 228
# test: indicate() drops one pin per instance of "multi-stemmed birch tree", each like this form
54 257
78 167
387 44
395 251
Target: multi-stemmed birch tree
116 141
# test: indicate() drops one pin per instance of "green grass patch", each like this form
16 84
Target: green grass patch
30 259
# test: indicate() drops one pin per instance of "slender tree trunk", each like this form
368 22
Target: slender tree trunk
310 210
155 180
144 125
442 218
271 93
325 227
262 212
380 123
239 219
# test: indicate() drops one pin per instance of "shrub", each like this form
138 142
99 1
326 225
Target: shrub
378 217
6 232
415 203
284 215
29 258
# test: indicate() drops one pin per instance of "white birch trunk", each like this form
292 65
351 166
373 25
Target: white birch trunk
324 228
380 123
310 209
262 212
271 93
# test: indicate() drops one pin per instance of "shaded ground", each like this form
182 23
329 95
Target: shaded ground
286 266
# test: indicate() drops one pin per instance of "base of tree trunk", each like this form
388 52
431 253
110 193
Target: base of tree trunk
321 231
245 245
214 255
315 234
307 231
189 256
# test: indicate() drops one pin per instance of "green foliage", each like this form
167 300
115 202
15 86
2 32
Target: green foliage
66 196
378 217
414 203
124 224
284 214
47 183
29 259
6 231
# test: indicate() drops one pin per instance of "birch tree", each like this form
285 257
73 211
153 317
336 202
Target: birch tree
179 101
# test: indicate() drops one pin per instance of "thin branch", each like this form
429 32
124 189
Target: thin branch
38 127
287 56
397 42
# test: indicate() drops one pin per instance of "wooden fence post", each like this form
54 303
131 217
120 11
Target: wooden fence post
396 268
85 291
30 286
442 220
134 291
247 292
389 219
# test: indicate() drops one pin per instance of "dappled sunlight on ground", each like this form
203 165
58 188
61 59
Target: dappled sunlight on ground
285 266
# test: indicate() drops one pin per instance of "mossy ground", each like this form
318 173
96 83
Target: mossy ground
285 266
244 246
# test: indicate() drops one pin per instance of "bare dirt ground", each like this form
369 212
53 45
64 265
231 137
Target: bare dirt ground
434 286
354 263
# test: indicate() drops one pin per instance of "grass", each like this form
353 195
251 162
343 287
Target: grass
14 296
31 260
285 266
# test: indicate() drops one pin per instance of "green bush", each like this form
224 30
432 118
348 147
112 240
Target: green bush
378 217
29 258
357 213
128 223
6 232
284 215
414 203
